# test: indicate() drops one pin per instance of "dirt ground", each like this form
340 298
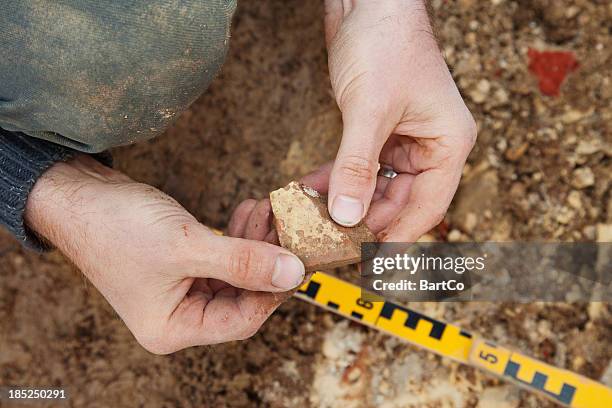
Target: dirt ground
540 171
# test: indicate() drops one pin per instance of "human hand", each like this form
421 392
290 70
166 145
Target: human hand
400 108
173 282
252 220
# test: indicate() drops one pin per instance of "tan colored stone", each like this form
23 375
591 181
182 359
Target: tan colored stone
515 153
305 228
583 177
505 396
604 232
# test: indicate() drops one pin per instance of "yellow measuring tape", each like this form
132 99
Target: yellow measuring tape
561 386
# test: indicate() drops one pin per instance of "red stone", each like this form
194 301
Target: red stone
551 68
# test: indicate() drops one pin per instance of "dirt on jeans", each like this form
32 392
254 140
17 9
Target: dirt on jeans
540 171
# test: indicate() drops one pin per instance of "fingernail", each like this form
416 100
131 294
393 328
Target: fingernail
288 272
347 210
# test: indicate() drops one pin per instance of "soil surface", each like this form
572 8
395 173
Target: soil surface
540 171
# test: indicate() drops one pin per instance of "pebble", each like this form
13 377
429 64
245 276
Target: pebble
331 351
578 362
454 236
505 396
502 145
354 374
427 238
604 232
480 93
501 96
586 147
470 38
574 200
589 232
606 377
583 177
596 310
384 387
564 216
571 12
574 115
470 222
515 153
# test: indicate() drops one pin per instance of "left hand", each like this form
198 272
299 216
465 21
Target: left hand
401 108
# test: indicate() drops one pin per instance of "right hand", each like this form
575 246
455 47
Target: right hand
174 282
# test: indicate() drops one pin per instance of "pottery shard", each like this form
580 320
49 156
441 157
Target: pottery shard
305 228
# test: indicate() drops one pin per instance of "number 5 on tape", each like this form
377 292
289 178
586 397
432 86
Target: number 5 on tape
560 385
489 356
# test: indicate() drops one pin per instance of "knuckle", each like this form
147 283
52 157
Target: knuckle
357 170
245 263
469 132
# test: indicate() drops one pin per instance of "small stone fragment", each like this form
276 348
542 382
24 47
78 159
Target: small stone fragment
515 153
504 396
596 310
574 199
481 91
454 236
305 228
470 222
606 377
564 215
586 147
501 96
604 232
583 177
573 116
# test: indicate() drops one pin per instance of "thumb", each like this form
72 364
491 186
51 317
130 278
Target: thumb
334 12
353 177
251 265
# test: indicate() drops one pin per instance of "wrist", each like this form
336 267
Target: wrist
64 196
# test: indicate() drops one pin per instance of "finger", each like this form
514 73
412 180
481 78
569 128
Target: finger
389 201
200 320
319 179
430 195
228 291
201 285
258 225
379 191
217 285
247 264
353 177
334 11
237 318
240 217
272 238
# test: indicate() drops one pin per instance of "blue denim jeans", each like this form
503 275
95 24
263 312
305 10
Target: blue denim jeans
95 74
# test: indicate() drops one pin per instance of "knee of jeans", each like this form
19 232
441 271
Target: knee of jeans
122 74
